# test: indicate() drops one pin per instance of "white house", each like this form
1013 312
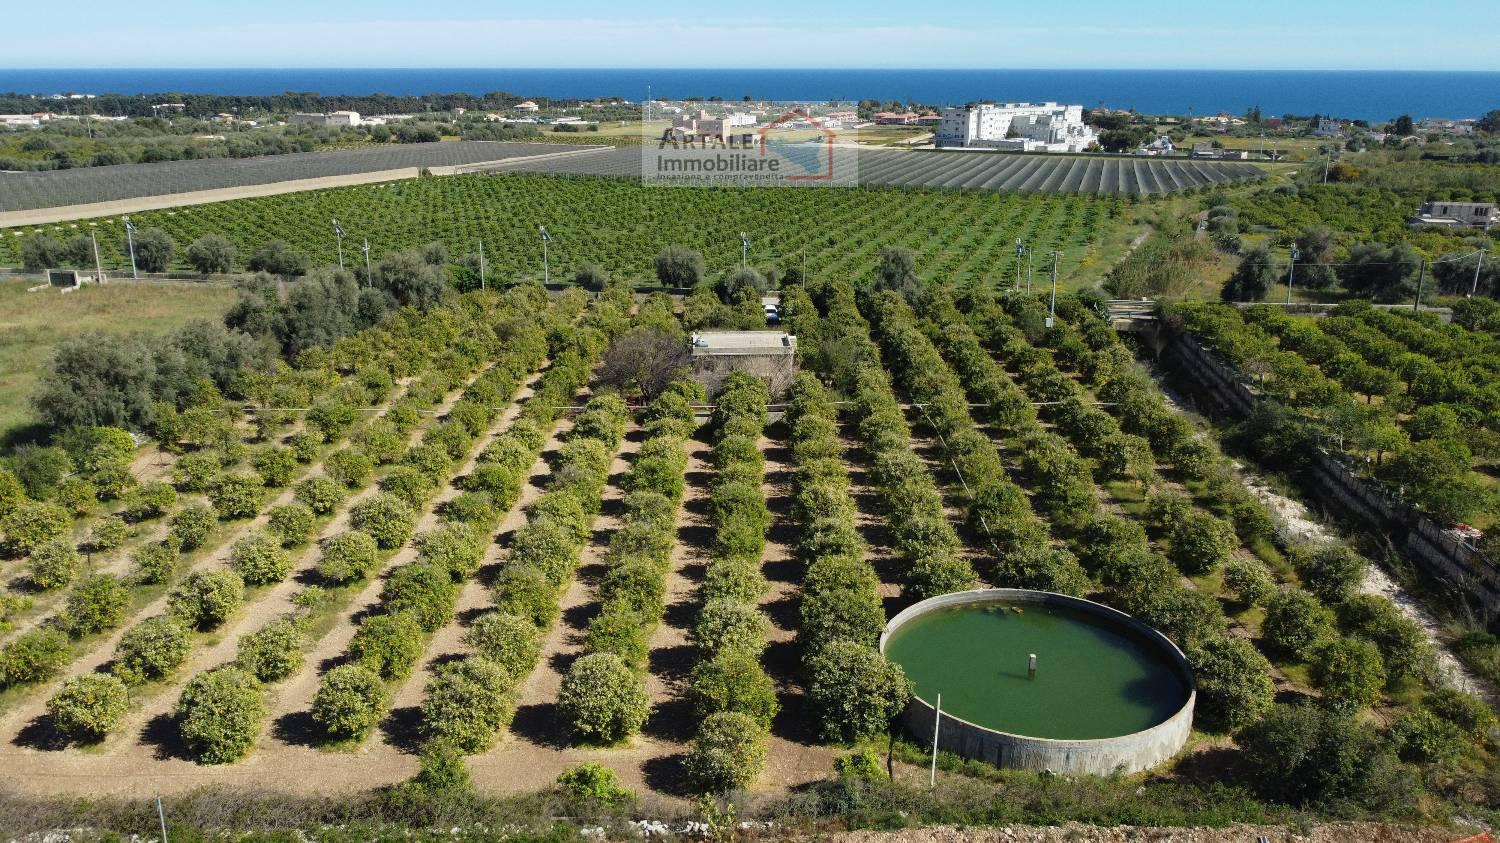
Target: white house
329 119
528 105
1029 127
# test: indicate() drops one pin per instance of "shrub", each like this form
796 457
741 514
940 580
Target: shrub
1404 646
320 494
1465 711
524 591
387 519
272 652
846 613
728 753
854 691
34 655
1420 736
349 702
737 579
411 486
260 560
1332 572
237 496
724 624
1249 581
191 526
219 714
476 509
388 644
508 640
97 603
86 707
304 446
54 564
349 468
151 649
1305 755
109 533
292 523
32 523
733 680
205 599
153 563
1348 672
150 500
468 703
382 442
620 631
1234 683
603 699
424 590
195 472
455 548
1295 622
546 545
347 557
1199 543
594 783
332 419
78 496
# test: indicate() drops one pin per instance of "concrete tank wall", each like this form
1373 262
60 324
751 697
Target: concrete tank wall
1101 757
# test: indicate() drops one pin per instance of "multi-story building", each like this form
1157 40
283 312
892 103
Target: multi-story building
1457 215
1028 127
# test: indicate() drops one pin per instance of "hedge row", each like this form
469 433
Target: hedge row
632 593
731 694
926 543
852 690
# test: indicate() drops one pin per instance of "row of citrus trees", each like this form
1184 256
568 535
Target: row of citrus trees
260 561
733 699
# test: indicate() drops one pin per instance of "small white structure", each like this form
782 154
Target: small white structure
1161 146
770 356
1018 126
528 105
326 119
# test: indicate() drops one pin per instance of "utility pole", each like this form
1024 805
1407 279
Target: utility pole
744 250
130 240
162 817
1052 309
546 267
1421 276
937 722
99 267
1020 253
1472 290
369 278
1292 274
1029 252
338 233
481 265
1327 162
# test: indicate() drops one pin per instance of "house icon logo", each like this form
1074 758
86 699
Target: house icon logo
815 155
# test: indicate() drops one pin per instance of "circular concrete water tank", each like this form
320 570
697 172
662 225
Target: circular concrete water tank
1108 694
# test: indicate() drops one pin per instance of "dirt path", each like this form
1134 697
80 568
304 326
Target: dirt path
869 518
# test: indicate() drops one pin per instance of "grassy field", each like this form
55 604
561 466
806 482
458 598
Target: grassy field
32 325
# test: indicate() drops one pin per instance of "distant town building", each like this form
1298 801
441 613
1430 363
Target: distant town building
528 105
700 127
1327 127
1029 127
896 118
1457 215
327 119
1161 146
20 121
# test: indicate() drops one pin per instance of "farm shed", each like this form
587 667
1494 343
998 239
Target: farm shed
768 355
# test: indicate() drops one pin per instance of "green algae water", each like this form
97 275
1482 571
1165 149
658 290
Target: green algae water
1094 678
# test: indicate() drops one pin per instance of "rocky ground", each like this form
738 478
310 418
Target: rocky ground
1073 833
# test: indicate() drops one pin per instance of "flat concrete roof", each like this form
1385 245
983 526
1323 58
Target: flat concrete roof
743 342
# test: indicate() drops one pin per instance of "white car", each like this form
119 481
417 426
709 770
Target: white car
773 314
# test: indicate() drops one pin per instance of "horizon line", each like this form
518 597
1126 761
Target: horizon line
932 69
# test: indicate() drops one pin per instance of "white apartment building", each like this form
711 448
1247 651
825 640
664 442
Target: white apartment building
1020 126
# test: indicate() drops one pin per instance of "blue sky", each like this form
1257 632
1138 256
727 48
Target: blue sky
1283 34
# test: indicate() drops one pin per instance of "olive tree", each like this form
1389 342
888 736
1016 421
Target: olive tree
219 714
151 649
350 701
728 752
603 699
854 691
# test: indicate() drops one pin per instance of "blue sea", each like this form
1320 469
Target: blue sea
1368 95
